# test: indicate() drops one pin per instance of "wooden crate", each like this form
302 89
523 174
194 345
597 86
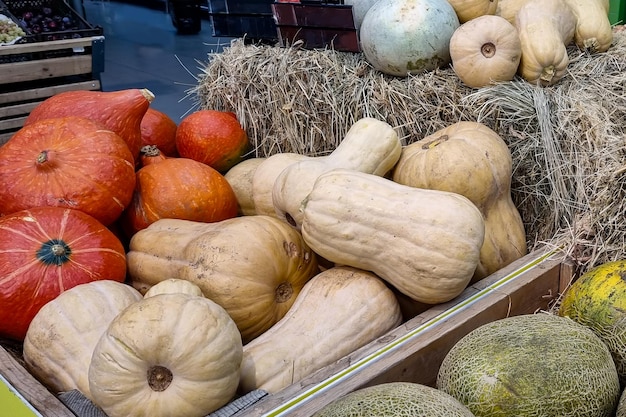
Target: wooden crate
32 72
411 352
414 351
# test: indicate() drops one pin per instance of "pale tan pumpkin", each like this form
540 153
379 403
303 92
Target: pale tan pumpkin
370 146
61 337
545 29
253 266
467 10
485 50
167 355
470 159
174 286
426 243
240 179
593 27
338 311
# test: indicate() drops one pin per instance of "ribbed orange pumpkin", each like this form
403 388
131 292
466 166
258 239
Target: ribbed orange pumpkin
179 188
67 162
45 251
120 111
158 129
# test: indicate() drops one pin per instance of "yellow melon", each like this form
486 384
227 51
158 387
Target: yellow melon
529 366
598 300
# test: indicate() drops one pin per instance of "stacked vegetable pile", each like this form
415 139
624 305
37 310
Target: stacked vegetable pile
190 268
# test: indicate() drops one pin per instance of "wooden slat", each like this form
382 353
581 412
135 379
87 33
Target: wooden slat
12 124
414 351
45 92
25 48
4 137
17 109
32 391
45 68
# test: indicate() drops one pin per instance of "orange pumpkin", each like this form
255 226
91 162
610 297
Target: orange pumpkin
179 188
158 129
67 162
213 137
120 111
45 251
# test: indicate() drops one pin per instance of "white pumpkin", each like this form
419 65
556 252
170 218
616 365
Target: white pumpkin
402 37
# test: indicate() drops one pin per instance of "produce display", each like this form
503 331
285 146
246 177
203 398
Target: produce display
166 269
10 32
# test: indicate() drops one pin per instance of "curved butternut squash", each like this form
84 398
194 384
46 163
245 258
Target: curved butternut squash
338 311
545 28
426 243
370 146
253 266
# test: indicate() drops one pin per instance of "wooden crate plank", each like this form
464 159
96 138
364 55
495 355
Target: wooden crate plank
4 137
17 109
45 68
414 351
24 48
32 391
45 92
12 124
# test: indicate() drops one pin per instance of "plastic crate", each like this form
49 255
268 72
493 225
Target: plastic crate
617 12
77 27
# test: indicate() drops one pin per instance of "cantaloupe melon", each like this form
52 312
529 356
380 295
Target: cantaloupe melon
621 406
598 300
535 365
395 399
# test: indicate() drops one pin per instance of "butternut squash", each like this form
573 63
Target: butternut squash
426 243
370 146
470 159
264 178
467 10
240 179
253 266
545 28
338 311
593 27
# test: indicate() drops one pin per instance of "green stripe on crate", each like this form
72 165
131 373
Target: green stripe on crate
13 404
333 380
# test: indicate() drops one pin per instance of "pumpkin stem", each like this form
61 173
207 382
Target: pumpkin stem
159 378
488 50
54 252
283 292
42 158
435 142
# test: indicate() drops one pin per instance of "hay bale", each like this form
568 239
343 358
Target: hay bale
567 140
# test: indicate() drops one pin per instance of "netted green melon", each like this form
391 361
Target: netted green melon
621 406
395 399
535 365
598 300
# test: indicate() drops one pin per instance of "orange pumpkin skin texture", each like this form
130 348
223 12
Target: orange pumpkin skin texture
213 137
158 129
179 188
120 111
45 251
67 162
